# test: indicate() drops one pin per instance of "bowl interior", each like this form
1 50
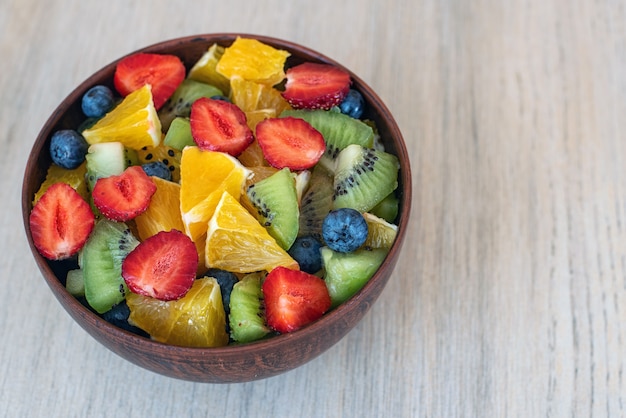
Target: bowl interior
232 363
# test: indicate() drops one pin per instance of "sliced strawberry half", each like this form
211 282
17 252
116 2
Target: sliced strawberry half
123 197
290 142
60 222
217 125
163 266
293 299
163 72
316 86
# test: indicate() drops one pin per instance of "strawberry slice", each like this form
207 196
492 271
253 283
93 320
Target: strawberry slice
290 142
293 299
163 266
163 72
60 222
123 197
316 86
217 125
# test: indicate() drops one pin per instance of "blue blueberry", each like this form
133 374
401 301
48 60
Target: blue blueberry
118 316
157 169
68 148
353 104
226 280
306 251
344 230
97 101
220 97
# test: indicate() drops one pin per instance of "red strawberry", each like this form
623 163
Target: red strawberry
290 142
60 222
217 125
163 72
163 266
293 299
124 197
316 86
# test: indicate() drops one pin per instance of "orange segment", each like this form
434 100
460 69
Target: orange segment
253 60
238 243
204 69
163 213
57 174
204 176
133 122
195 320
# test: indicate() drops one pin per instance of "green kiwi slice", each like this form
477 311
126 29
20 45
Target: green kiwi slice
276 203
387 208
101 263
364 177
246 316
346 273
179 104
179 136
316 202
338 130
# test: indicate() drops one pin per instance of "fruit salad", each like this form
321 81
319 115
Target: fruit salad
221 204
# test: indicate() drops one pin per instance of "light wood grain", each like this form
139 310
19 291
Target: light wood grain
510 298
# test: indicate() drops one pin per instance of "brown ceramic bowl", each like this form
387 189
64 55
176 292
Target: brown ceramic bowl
228 364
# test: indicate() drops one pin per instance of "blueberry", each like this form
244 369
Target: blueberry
353 104
220 97
226 280
97 101
118 316
306 251
157 169
344 230
68 148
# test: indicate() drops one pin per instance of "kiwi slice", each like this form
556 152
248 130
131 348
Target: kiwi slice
276 203
346 273
179 134
179 104
101 263
74 283
364 177
338 130
105 159
387 208
316 202
246 316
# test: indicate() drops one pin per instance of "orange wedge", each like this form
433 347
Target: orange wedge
204 176
133 122
204 69
195 320
236 241
254 61
163 213
74 177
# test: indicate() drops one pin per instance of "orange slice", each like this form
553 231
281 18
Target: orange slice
133 122
236 241
380 233
204 176
204 69
163 213
253 60
74 177
195 320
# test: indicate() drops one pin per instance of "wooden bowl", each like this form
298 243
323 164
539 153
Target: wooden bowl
228 364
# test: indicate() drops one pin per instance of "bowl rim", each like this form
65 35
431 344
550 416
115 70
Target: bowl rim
225 353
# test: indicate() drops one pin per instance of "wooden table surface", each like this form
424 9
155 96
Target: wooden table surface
509 299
